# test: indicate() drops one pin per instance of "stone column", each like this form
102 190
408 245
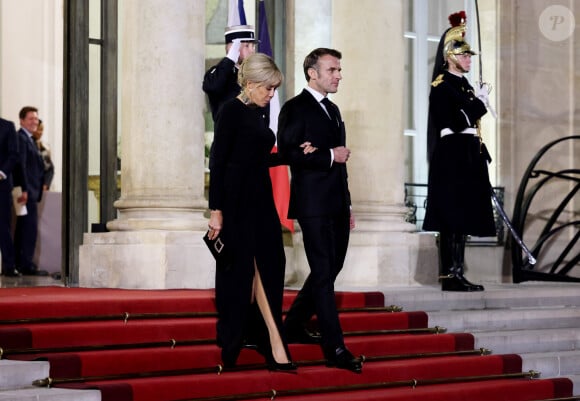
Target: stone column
156 240
384 249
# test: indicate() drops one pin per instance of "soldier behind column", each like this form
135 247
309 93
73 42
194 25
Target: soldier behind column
220 82
458 198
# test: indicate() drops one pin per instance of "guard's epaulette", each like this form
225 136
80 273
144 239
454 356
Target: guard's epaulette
437 81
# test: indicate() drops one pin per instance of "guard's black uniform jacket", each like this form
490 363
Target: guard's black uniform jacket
458 199
220 83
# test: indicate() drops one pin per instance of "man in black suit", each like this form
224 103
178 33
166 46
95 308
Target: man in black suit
8 162
33 167
320 201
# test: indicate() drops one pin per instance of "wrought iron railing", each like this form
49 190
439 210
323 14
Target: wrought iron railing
416 201
551 199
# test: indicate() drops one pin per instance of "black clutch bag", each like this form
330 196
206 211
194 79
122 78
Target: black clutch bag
219 250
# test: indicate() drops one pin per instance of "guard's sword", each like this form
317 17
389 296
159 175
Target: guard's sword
479 43
491 109
506 220
531 259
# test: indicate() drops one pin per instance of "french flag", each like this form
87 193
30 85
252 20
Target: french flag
278 174
236 13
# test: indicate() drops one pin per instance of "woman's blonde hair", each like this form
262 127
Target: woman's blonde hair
260 69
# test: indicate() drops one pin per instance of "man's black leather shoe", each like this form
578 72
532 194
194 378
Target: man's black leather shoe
13 273
302 336
343 359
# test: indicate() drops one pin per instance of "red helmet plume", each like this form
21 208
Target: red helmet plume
457 18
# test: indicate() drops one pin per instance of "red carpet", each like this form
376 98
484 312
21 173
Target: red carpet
158 345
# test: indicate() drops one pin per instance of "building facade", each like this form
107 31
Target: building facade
528 55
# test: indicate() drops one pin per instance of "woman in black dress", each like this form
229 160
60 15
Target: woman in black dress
249 293
459 198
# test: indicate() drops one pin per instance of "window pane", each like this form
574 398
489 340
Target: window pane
95 19
94 129
431 59
408 15
408 91
439 12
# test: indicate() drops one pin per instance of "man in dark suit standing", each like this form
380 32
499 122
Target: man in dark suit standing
320 201
33 167
8 162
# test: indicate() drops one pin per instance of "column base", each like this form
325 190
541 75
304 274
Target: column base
378 259
486 264
146 260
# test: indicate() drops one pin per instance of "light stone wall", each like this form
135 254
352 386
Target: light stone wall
539 92
31 72
146 259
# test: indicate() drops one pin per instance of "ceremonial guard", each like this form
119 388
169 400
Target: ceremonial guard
458 199
220 82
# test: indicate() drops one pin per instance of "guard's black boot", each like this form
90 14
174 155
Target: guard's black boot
451 265
458 255
452 282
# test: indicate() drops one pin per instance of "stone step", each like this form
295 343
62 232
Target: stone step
528 341
576 380
534 294
16 379
50 394
472 321
553 363
496 296
20 374
538 320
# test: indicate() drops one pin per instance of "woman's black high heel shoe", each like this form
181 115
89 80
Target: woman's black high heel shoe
274 366
289 367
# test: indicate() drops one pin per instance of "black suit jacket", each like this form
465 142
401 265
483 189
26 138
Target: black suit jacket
318 187
8 152
33 166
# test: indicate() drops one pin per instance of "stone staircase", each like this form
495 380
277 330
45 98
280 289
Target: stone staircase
539 321
16 379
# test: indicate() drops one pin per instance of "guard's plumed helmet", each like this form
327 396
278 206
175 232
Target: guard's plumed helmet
454 40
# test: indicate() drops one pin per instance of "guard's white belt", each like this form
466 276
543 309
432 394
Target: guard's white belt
447 131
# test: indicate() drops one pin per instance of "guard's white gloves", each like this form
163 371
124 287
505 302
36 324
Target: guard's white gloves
482 92
234 52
